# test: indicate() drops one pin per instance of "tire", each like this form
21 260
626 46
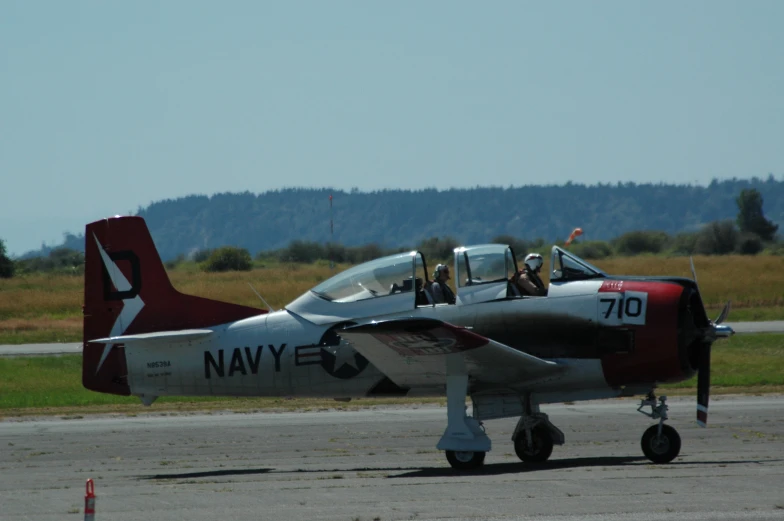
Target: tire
465 460
542 445
661 449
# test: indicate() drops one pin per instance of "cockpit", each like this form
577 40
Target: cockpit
484 272
400 273
392 284
399 283
565 266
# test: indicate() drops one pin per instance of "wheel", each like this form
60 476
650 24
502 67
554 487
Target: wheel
465 460
540 450
661 449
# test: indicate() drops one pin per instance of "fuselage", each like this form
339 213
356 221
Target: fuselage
284 354
608 336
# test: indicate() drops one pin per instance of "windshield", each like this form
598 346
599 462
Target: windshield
484 264
567 266
385 276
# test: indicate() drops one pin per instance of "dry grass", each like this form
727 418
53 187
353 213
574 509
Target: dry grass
747 281
41 307
17 325
278 285
41 296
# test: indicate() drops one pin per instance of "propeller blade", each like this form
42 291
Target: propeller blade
724 312
693 271
703 385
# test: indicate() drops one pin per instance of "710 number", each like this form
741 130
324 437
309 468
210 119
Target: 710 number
631 307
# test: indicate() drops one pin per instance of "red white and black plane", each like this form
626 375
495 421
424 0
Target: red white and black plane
373 330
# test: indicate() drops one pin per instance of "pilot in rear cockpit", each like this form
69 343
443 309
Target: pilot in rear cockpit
527 279
441 291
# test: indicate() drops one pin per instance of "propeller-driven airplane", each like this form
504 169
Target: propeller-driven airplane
373 330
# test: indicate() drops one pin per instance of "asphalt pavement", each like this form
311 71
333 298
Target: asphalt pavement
381 464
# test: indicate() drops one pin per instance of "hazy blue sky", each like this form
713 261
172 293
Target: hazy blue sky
107 105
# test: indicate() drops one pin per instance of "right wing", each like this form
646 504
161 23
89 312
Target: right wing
416 352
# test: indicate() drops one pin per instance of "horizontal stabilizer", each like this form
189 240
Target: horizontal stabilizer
157 338
416 352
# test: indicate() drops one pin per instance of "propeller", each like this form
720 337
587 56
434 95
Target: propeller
721 318
704 357
703 385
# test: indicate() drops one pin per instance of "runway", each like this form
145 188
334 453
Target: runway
382 464
774 326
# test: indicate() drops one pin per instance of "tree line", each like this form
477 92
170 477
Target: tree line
403 218
749 234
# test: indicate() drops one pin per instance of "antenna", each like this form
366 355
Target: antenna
262 298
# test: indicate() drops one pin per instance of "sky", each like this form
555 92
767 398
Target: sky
108 106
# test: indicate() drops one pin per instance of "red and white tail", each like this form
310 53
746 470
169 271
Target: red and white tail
127 291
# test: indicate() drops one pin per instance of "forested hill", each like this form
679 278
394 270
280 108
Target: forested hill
393 218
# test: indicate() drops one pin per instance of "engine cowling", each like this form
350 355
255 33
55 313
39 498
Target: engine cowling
666 347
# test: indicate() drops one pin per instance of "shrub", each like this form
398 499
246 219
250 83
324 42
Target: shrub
59 260
200 256
519 246
303 251
716 238
364 253
684 243
228 258
775 248
592 250
634 243
749 244
6 264
438 248
335 252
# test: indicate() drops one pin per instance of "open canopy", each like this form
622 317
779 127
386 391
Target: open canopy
566 266
387 285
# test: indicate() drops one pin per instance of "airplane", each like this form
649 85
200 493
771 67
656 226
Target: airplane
372 331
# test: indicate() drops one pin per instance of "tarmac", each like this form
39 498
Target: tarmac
381 464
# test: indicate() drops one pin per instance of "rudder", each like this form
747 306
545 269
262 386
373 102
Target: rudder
127 291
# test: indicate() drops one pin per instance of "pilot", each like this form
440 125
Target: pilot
528 280
440 289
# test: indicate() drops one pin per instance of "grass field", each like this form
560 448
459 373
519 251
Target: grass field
47 308
35 385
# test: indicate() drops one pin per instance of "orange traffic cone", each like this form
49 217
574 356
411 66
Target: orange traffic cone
89 501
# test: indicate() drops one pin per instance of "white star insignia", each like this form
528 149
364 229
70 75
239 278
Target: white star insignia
344 355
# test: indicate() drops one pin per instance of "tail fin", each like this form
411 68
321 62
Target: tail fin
127 291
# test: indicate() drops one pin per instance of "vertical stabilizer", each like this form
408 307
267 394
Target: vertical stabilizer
127 291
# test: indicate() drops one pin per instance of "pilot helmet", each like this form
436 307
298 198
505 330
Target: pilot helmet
439 269
534 261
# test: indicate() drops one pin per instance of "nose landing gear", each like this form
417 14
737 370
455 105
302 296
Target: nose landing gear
660 443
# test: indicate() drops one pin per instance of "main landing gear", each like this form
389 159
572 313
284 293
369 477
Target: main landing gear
464 439
660 443
534 435
466 443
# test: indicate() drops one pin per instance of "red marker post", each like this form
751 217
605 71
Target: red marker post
89 501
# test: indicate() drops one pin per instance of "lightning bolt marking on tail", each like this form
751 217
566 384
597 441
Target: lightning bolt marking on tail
131 307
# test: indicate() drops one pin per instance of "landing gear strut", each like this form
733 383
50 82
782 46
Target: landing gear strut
464 439
660 443
534 435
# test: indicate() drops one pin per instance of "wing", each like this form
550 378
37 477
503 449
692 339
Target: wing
416 352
